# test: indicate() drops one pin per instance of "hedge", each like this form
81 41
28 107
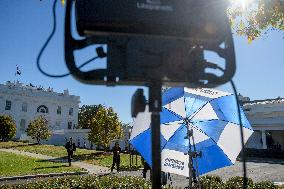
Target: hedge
130 182
85 182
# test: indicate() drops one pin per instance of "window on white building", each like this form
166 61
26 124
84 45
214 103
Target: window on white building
24 107
8 105
42 109
22 125
57 123
70 125
59 110
71 111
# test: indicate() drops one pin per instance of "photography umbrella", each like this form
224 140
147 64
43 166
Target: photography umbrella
212 116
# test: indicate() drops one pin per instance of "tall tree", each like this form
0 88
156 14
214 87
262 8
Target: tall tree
38 129
252 18
86 113
7 127
105 127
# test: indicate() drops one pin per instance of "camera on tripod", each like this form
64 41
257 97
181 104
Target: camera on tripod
153 40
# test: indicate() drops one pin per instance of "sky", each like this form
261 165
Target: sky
26 24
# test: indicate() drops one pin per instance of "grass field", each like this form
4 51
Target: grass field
12 164
89 156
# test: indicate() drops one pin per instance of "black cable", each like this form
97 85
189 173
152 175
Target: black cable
47 42
242 135
215 66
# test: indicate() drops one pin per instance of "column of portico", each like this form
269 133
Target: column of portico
263 136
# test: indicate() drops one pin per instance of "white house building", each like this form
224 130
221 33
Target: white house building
25 102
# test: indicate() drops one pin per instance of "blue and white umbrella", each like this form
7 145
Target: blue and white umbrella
213 117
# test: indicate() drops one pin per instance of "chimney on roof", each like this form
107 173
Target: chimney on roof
66 92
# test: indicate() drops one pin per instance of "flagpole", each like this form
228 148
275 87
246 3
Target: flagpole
18 72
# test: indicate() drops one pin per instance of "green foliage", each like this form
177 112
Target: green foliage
13 164
38 129
87 182
105 127
86 114
211 182
237 183
265 185
256 17
7 127
129 182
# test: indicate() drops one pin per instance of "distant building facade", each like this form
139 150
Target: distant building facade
26 102
267 119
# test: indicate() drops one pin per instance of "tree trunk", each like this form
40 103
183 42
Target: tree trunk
38 140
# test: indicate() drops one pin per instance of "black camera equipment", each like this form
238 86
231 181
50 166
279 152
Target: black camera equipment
161 40
152 43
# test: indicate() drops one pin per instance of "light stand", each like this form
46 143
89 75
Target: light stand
155 106
193 176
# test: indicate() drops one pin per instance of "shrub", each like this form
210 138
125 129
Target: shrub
86 182
7 127
211 182
265 185
237 183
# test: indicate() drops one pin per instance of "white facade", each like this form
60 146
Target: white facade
25 102
267 120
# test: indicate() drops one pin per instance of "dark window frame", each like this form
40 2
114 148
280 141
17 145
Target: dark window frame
8 105
41 108
71 110
24 107
58 111
69 124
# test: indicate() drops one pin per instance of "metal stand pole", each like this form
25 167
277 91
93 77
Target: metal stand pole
193 177
129 151
155 106
190 164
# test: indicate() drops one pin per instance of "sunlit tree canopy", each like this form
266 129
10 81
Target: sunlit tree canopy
253 18
38 129
7 127
103 123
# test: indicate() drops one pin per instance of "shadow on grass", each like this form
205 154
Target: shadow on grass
50 167
92 156
128 168
19 145
97 156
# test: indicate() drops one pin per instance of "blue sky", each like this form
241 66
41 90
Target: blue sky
25 25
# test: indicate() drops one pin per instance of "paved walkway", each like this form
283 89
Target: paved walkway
92 169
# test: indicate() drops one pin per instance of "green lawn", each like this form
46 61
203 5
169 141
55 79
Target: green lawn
15 165
89 156
106 160
50 150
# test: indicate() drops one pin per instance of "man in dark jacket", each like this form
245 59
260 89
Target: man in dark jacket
70 147
116 156
146 167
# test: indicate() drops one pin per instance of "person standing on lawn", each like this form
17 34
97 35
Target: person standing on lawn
71 148
146 167
116 156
